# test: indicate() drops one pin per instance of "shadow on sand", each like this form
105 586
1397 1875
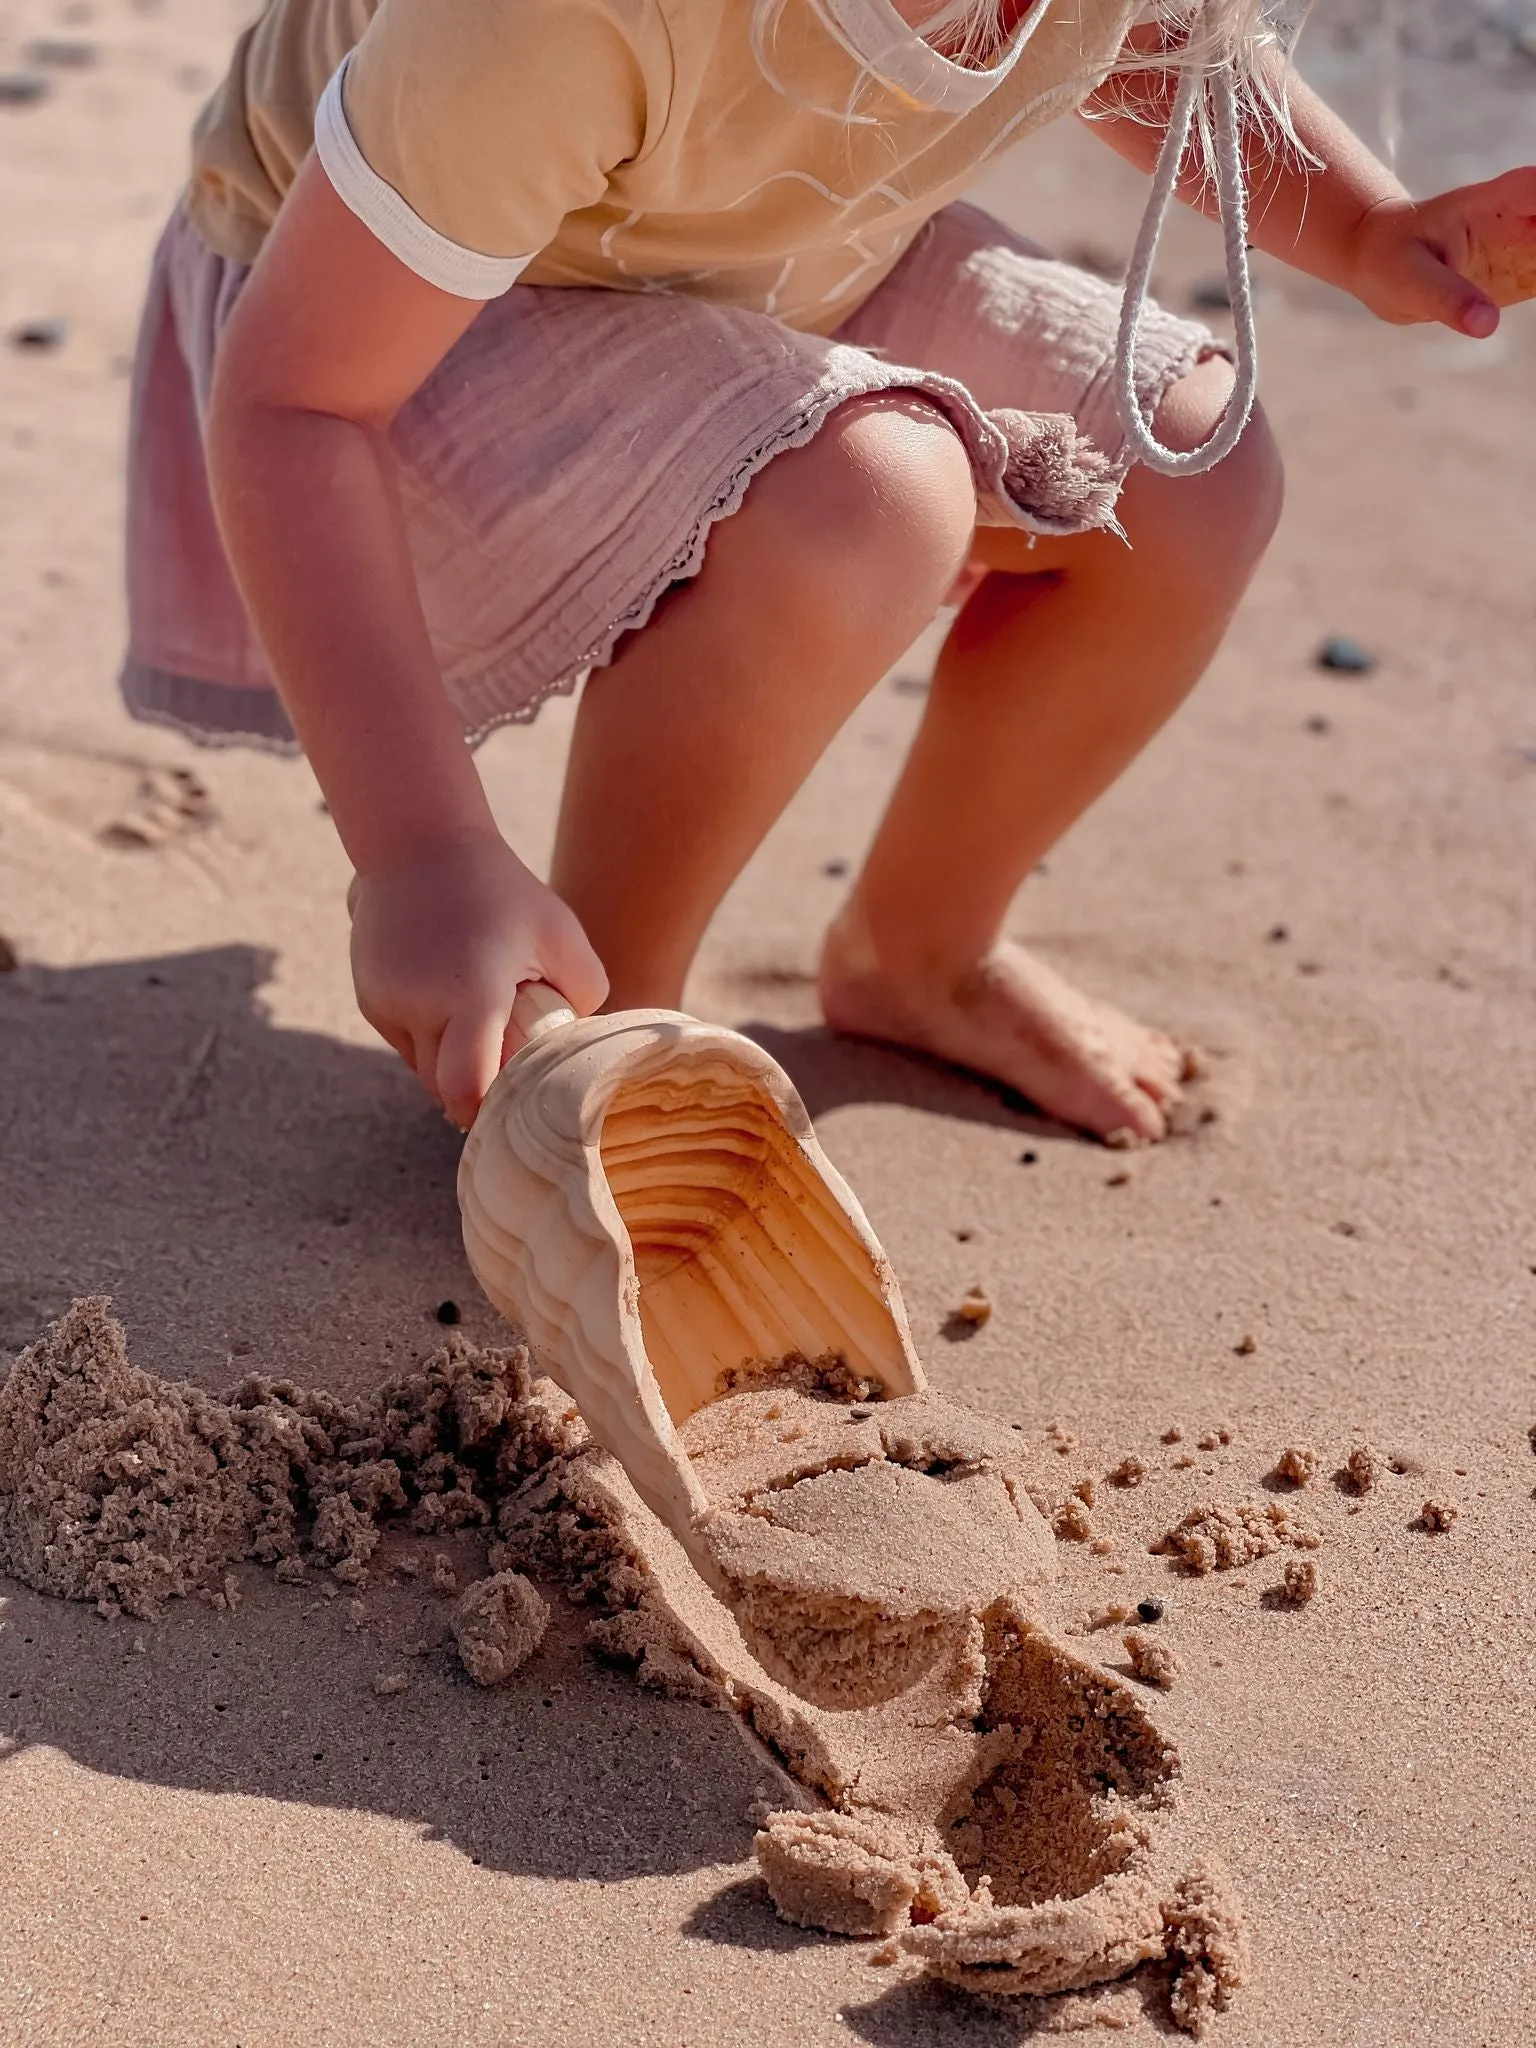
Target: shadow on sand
832 1073
259 1199
256 1199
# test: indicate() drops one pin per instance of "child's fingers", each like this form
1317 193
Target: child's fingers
398 1040
571 965
468 1061
1490 230
1443 294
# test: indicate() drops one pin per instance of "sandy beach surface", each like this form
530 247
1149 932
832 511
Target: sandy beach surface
213 1828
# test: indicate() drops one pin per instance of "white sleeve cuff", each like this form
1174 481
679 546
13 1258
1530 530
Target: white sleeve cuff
448 265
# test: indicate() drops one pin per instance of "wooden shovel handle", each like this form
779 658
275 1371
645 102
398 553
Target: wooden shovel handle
540 1008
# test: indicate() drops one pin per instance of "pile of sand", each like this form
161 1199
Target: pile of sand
124 1489
855 1540
1009 1820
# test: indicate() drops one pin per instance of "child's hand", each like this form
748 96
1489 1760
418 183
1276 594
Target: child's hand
1455 259
439 949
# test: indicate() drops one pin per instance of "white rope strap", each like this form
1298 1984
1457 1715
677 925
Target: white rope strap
1232 198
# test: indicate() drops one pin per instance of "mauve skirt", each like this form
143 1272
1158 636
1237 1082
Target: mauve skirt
562 467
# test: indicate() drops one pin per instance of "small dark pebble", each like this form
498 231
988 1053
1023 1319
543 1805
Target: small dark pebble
57 54
1345 657
834 868
23 88
1029 1159
1278 934
1150 1610
449 1312
964 1236
40 335
1318 724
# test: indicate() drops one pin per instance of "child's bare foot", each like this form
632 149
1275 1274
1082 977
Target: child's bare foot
1013 1018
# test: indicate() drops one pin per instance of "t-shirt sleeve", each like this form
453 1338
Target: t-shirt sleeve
462 132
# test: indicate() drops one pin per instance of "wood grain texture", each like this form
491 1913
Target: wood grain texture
645 1196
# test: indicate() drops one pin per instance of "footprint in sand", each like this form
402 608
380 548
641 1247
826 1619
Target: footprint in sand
168 804
144 804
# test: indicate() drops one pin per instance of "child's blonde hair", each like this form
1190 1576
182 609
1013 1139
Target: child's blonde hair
1204 35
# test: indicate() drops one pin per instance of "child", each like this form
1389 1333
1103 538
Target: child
644 340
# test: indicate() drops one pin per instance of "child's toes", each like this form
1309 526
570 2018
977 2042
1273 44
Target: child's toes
1159 1067
1128 1116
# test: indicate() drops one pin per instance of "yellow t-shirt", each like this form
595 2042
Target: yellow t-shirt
643 145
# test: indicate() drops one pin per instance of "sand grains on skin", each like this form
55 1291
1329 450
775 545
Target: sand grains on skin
1017 1021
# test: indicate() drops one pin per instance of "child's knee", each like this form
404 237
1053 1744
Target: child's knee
1225 517
876 514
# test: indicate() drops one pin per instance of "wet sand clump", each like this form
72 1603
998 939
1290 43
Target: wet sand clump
1298 1582
127 1490
1363 1467
864 1874
498 1625
120 1489
1297 1464
1153 1662
1218 1536
1072 1521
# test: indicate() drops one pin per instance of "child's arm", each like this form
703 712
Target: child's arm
1350 223
330 336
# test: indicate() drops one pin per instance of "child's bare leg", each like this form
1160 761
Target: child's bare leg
1059 670
691 743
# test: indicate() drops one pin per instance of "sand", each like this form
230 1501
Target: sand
1218 1536
498 1625
226 1835
856 1543
126 1490
999 1803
